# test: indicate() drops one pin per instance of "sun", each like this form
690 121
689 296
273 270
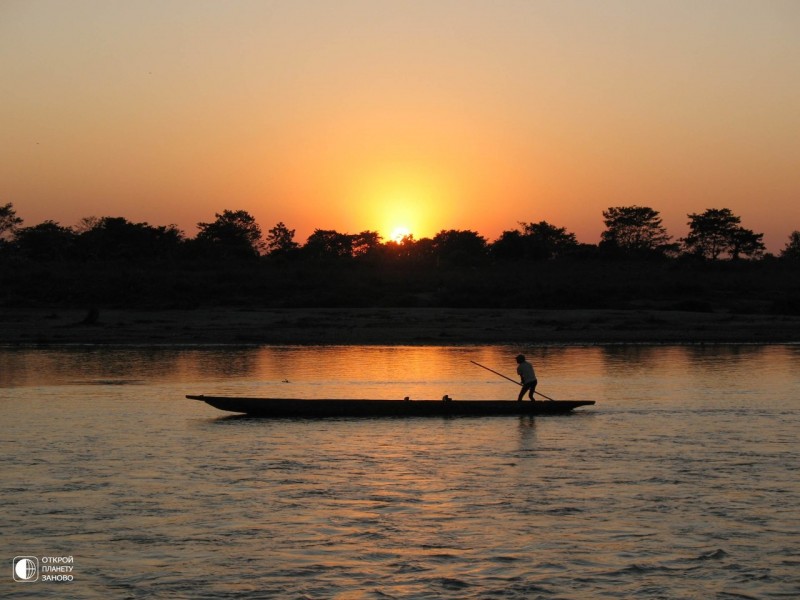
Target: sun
399 232
400 200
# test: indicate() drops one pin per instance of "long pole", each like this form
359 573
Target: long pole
496 373
509 378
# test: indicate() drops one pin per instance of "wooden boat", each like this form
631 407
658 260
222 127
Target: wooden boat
286 407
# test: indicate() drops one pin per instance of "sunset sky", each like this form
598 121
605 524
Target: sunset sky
423 114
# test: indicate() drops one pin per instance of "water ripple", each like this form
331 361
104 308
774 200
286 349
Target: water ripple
653 495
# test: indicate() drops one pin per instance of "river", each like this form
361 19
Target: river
682 481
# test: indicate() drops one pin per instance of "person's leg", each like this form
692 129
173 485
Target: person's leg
532 389
522 392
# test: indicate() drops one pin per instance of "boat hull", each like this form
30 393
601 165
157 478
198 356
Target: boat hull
286 407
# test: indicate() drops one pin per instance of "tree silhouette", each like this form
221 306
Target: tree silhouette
534 241
366 243
112 261
792 249
459 246
328 243
9 220
86 224
410 251
118 238
280 241
45 241
234 233
546 241
634 231
710 232
716 232
509 246
746 243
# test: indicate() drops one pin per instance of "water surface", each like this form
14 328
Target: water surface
681 483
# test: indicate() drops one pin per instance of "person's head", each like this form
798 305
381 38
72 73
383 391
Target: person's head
521 358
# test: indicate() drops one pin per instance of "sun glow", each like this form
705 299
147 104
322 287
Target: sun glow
399 232
402 200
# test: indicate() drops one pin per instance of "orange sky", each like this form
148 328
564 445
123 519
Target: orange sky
427 114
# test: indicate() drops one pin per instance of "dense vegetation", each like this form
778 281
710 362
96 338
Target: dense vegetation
111 261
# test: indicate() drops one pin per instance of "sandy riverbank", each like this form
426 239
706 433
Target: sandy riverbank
390 326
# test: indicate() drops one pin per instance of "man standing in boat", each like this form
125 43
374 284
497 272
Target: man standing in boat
527 376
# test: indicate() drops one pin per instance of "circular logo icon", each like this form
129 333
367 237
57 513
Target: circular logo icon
26 568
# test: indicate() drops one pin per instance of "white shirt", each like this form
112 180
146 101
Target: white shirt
525 370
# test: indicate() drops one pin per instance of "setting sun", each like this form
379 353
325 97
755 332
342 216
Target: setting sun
401 199
398 233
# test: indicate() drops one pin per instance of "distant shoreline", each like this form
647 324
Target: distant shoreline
389 326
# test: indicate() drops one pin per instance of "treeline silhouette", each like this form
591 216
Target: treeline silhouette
113 262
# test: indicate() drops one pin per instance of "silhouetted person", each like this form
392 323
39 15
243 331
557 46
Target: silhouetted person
527 377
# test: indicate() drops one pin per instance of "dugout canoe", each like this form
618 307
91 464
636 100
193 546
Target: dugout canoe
301 408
